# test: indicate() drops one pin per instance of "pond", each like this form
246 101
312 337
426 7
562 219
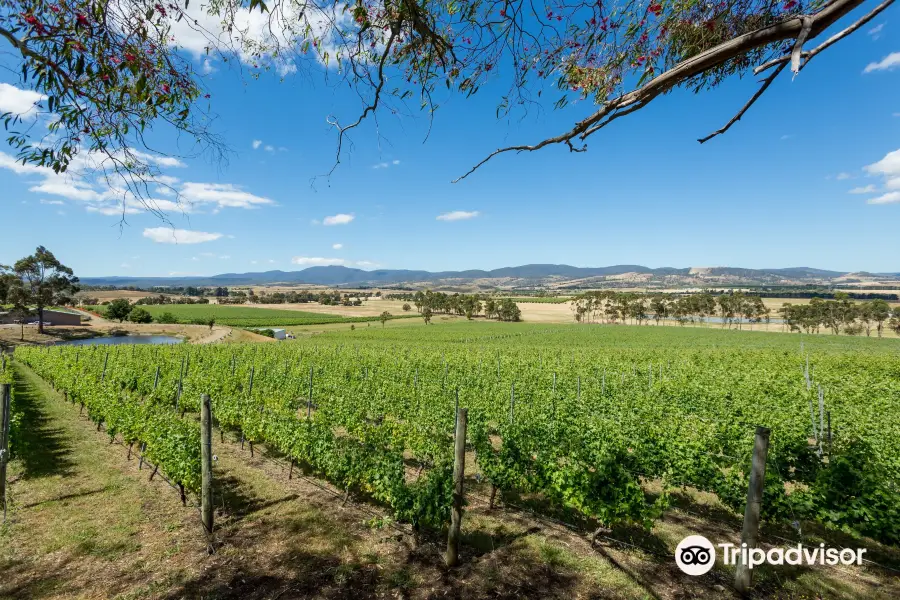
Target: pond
123 339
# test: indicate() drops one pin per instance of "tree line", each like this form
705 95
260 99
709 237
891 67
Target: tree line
470 305
840 315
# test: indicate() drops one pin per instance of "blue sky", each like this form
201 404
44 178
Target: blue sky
775 191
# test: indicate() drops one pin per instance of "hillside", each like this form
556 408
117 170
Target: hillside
524 276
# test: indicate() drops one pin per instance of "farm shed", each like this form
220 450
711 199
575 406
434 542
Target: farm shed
51 317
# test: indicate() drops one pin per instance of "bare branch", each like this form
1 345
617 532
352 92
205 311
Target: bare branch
835 38
768 81
798 44
791 28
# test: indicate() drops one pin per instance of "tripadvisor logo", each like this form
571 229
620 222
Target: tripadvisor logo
696 555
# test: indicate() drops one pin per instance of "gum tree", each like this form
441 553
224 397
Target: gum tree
111 71
44 282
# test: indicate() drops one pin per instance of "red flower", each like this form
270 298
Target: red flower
129 57
165 88
82 20
559 18
503 13
790 4
656 9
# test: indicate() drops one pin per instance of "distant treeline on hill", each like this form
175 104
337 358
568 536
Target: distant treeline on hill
806 293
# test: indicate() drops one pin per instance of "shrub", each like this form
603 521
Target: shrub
118 309
167 318
139 315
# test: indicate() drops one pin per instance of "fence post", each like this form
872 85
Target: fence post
206 491
742 576
5 419
459 472
309 400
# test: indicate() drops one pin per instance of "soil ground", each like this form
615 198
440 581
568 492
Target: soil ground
85 522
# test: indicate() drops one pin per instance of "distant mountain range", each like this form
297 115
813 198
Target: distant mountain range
546 276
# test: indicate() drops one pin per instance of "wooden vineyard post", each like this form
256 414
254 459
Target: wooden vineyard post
459 472
456 411
829 432
103 375
156 379
512 401
5 419
309 400
821 418
750 532
206 491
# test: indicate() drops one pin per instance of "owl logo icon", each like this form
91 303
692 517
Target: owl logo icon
695 555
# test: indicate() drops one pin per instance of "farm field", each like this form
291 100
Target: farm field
608 428
246 316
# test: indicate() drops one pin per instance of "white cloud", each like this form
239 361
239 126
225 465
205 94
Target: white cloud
271 262
842 176
208 67
272 38
337 246
257 144
208 254
222 194
787 136
19 102
125 266
338 219
887 166
458 215
315 261
253 262
366 263
56 202
165 235
889 169
889 62
889 198
385 165
224 257
269 148
875 32
869 189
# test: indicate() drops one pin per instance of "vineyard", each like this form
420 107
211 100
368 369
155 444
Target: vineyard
584 417
244 316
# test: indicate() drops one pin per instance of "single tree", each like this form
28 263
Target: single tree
880 311
383 317
118 309
426 314
139 315
406 307
46 281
